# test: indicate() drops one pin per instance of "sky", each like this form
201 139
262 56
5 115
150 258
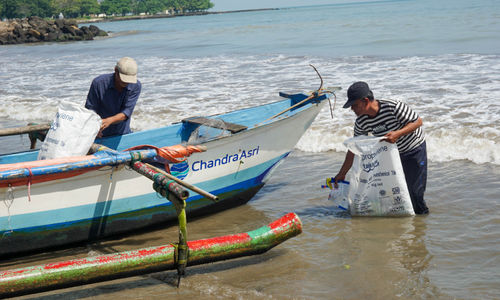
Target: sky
223 5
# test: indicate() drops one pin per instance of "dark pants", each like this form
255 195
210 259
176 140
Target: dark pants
415 167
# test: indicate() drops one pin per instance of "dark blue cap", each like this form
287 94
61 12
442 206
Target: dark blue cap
357 90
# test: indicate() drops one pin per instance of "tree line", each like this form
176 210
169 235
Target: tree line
79 8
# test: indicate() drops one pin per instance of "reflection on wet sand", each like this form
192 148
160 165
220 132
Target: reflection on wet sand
410 255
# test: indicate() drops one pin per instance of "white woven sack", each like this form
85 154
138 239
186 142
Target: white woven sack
377 181
71 133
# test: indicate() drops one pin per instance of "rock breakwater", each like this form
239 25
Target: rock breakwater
35 29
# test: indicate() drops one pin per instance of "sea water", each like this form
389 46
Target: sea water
441 57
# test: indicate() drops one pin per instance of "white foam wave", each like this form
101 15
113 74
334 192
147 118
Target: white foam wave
454 94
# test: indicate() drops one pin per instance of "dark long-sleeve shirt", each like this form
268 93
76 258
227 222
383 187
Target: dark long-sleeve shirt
106 101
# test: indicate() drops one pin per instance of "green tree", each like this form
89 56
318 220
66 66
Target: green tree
69 8
77 8
198 5
25 8
15 9
41 8
116 7
6 10
88 7
177 5
148 6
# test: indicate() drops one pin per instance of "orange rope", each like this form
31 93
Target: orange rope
174 154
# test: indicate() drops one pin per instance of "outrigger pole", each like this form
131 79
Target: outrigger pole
172 189
177 195
131 263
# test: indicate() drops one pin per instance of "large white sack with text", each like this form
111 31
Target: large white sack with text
71 133
377 181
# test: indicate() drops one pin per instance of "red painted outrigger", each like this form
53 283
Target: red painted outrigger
100 268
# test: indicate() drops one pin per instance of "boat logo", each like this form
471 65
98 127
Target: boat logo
223 160
180 170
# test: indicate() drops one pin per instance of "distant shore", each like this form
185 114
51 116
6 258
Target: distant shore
139 17
35 29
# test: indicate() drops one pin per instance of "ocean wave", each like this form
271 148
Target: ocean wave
454 94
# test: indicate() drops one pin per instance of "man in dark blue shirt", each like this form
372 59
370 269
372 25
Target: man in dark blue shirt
113 97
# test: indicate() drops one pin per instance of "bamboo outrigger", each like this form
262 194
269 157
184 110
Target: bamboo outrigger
107 267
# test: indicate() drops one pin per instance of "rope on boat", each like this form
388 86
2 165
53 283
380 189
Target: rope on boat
135 157
321 90
334 102
9 200
314 94
30 178
327 90
174 154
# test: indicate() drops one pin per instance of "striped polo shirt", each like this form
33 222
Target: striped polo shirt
392 115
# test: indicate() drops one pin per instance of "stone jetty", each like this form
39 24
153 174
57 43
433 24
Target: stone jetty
35 29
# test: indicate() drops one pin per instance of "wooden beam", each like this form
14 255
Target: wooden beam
24 129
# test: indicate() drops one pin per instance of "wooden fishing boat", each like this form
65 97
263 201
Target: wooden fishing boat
53 202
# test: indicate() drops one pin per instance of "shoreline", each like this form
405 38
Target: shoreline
137 17
36 29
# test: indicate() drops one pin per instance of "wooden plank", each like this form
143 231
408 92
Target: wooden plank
25 129
216 123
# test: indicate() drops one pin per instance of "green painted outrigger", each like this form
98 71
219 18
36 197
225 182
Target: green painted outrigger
100 268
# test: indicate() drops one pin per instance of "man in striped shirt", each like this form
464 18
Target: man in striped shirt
399 124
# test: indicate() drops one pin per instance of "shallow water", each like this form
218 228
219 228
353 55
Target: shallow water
450 254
